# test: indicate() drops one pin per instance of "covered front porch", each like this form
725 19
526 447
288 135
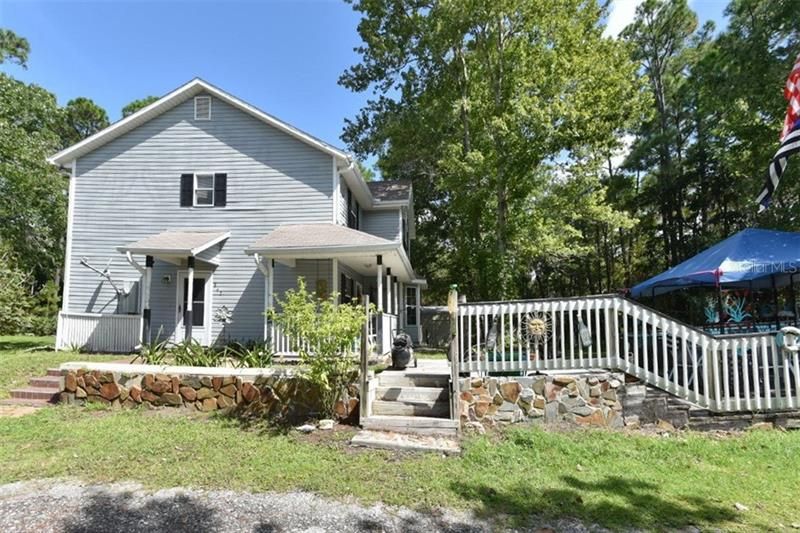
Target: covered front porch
349 263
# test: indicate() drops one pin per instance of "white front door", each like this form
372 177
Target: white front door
201 307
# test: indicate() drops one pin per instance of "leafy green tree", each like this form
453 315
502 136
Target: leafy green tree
82 118
13 48
136 105
476 102
32 191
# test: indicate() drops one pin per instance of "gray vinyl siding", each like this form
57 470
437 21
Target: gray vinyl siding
311 270
384 223
130 188
341 215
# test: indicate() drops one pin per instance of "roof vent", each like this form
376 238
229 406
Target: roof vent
202 108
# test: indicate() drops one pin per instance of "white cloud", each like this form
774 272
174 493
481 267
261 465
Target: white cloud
620 15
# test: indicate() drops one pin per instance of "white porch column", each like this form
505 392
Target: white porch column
396 297
418 313
335 274
388 290
187 315
379 282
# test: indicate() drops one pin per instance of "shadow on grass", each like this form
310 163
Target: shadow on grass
24 343
115 512
614 501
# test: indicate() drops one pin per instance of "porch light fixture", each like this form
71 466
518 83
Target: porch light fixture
166 279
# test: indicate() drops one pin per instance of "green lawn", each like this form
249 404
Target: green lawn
22 358
614 479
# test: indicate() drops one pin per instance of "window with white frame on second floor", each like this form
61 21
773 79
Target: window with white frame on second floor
204 189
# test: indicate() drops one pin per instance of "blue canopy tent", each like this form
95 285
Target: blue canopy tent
751 259
754 258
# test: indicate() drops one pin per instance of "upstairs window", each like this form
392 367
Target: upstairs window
204 189
202 108
352 211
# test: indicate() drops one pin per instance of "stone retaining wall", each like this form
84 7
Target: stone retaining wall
274 394
588 400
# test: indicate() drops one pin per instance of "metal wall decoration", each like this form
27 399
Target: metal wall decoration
536 329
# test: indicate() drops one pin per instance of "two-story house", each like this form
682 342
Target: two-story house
190 217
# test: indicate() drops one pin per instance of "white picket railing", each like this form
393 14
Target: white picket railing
285 346
722 373
98 332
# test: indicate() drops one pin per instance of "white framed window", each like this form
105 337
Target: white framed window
411 306
202 108
204 190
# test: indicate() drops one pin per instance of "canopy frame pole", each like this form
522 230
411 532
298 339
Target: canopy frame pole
775 302
719 303
792 296
752 299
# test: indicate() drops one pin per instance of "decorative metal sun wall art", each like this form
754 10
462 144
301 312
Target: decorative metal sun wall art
536 329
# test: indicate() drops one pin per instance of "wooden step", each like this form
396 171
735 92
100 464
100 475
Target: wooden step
46 382
53 371
35 393
412 408
411 393
389 378
421 425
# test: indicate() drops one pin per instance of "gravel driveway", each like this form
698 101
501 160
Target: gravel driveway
70 506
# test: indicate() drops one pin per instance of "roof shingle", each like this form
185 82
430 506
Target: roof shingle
390 191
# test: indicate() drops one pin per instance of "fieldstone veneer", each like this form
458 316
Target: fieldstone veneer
589 400
273 393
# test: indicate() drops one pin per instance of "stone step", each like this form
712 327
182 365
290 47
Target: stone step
390 378
53 371
411 393
35 393
46 382
390 440
420 425
436 408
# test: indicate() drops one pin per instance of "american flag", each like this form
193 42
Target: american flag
790 138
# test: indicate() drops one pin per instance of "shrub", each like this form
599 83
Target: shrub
329 332
189 352
252 354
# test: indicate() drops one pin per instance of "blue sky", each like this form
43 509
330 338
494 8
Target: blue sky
281 56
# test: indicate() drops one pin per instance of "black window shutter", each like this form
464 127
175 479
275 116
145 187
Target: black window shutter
187 189
220 190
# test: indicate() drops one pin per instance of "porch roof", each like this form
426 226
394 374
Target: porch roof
176 243
354 248
323 237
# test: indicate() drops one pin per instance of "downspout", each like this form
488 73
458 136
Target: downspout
146 273
267 272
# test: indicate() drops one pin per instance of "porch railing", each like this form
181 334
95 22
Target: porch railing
98 332
721 373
